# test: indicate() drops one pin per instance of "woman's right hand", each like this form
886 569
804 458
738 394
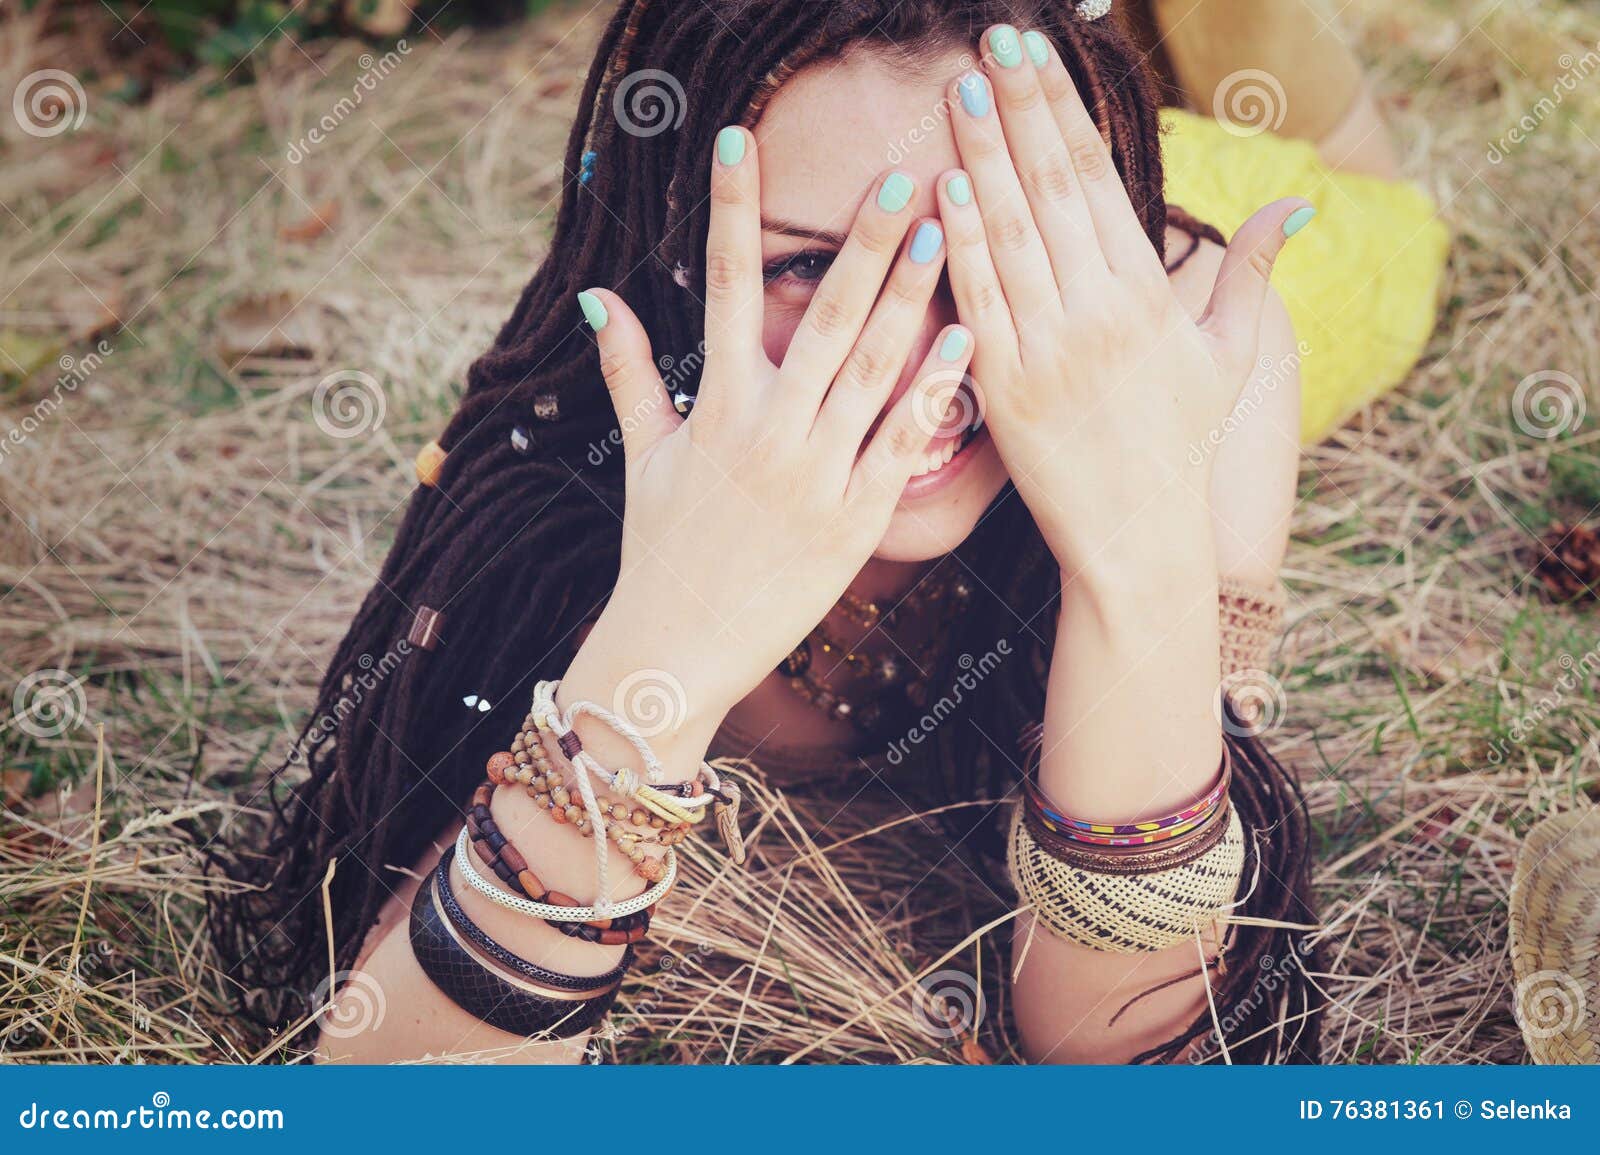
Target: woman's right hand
745 522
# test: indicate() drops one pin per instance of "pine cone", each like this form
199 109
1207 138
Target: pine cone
1569 562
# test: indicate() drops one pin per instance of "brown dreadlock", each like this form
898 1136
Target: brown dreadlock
527 520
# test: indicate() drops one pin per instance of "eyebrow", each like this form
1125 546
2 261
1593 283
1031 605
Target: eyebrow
804 232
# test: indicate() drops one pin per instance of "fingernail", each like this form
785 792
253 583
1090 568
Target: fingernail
730 146
925 243
594 310
953 345
1298 220
1003 42
895 192
958 189
974 92
1038 47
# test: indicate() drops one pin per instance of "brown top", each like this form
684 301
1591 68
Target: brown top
1251 618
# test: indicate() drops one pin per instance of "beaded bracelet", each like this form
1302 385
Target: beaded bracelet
724 798
562 913
497 854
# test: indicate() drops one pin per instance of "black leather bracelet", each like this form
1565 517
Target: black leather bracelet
508 1002
475 934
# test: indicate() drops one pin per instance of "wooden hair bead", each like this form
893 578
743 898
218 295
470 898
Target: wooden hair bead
430 460
424 633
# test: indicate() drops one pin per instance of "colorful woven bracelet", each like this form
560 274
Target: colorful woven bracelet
1143 833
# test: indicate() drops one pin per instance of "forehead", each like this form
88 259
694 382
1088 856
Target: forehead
833 127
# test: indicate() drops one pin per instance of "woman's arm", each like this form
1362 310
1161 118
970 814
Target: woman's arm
1109 398
742 526
1138 649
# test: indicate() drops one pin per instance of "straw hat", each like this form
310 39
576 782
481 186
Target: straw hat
1555 938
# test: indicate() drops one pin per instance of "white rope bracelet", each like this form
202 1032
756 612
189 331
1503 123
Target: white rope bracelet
561 913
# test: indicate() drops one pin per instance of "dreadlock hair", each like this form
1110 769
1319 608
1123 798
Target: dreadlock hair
518 543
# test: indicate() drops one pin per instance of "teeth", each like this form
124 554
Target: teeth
937 459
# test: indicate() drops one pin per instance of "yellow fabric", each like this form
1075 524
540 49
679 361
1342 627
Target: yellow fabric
1361 281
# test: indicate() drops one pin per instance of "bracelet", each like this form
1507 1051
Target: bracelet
562 913
1133 833
532 971
673 802
507 863
1126 913
505 1001
1130 860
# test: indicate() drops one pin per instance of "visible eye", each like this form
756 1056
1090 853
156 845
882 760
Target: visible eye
804 268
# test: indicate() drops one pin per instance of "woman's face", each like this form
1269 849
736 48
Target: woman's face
824 138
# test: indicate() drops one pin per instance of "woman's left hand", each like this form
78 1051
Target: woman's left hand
1097 384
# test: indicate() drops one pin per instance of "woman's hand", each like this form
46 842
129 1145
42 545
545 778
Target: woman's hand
1095 380
745 523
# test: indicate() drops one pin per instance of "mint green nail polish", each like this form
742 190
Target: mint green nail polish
730 146
1298 220
1003 43
958 189
895 192
953 345
1038 48
594 310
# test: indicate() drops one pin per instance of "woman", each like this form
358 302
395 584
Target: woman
825 302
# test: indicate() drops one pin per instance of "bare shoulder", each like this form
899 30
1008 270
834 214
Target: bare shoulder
1257 450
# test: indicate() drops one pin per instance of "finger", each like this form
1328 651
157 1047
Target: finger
1126 246
1233 315
900 445
1039 154
1018 251
838 309
980 303
644 411
734 295
868 375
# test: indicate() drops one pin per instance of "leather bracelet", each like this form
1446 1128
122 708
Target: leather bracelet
532 971
506 1002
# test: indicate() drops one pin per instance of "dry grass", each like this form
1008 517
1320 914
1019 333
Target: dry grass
180 537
